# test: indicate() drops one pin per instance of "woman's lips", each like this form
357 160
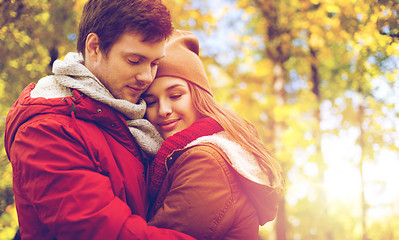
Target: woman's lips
168 126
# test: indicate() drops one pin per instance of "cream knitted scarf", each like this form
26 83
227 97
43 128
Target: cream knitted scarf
72 74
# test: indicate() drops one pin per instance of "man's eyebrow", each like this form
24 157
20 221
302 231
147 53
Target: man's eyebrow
142 56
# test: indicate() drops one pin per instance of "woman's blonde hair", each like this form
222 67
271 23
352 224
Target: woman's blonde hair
240 130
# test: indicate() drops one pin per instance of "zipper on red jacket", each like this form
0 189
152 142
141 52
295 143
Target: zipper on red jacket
72 109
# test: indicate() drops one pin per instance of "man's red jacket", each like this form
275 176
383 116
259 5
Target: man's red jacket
77 173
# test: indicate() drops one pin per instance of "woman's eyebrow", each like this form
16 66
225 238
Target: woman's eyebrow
167 89
174 86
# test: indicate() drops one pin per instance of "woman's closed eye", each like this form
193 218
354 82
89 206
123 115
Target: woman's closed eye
176 96
150 102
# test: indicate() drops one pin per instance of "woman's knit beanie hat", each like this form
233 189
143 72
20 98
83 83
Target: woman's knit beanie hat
182 60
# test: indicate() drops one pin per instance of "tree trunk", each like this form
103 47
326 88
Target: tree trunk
276 51
362 147
279 94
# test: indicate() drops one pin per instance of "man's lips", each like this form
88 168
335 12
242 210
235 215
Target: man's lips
136 89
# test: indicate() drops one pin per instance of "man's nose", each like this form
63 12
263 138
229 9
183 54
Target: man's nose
145 75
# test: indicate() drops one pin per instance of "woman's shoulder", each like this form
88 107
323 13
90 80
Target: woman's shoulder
222 147
198 154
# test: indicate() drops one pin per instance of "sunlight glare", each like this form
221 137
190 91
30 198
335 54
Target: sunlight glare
342 155
382 192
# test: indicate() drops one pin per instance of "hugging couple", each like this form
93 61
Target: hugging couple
125 140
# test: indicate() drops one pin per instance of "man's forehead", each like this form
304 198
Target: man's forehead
132 44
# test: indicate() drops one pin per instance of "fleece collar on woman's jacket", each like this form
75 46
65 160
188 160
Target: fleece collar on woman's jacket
241 160
72 74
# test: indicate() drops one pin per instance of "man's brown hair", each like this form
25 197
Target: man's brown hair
109 19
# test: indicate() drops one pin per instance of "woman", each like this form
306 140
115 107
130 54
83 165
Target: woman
212 177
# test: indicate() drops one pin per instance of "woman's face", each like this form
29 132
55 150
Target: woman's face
169 105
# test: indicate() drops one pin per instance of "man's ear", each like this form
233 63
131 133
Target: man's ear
92 50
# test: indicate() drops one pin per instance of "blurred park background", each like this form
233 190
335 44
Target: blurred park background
318 78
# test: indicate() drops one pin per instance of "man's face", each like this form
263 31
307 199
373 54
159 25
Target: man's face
130 66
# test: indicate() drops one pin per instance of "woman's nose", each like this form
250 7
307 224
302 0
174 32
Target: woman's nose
165 108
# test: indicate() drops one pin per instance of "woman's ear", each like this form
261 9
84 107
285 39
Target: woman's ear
92 50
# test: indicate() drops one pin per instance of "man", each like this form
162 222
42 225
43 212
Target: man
77 141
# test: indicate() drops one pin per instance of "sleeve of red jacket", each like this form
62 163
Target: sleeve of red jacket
69 196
